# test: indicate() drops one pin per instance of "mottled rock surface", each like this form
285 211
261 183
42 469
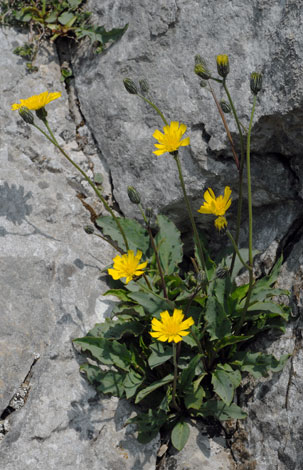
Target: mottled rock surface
160 45
50 280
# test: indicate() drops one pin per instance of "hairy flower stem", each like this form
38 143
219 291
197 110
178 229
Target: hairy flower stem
53 140
225 126
237 250
175 404
191 217
155 108
240 188
155 251
250 220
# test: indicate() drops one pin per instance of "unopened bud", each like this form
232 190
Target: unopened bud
202 71
225 107
223 65
26 115
222 272
149 212
133 195
255 82
41 113
144 86
89 229
130 86
203 84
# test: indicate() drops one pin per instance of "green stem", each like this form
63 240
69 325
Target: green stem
250 219
147 281
155 108
155 251
175 404
240 189
191 217
197 342
237 250
53 140
226 127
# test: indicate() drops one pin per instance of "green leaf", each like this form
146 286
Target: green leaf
268 307
169 245
112 383
148 424
264 293
194 398
188 374
160 354
74 3
122 294
51 17
93 373
132 382
137 236
99 34
105 381
151 303
258 364
121 328
154 386
66 17
180 435
221 411
225 380
218 325
105 351
228 340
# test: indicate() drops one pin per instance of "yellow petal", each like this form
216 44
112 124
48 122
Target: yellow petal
158 135
185 142
159 152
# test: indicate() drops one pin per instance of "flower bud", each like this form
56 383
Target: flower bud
202 71
89 229
222 272
203 83
225 107
41 113
133 195
130 86
144 86
149 212
223 65
255 82
201 68
26 115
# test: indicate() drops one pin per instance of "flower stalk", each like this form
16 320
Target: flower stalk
52 139
250 218
191 217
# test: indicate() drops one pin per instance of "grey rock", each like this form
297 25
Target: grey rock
201 451
160 45
50 284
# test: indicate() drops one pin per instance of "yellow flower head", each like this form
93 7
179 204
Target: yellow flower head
171 328
217 206
170 141
127 266
36 102
223 65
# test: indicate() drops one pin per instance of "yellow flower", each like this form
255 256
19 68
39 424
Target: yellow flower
127 266
170 141
171 328
36 102
216 206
